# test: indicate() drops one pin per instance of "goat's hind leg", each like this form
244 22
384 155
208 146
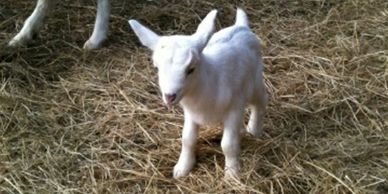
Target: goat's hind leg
101 26
257 106
230 144
33 23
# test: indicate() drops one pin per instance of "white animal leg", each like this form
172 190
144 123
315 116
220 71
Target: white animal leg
255 124
230 144
189 140
101 26
257 107
33 23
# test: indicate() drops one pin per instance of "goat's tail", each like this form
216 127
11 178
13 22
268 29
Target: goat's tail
241 18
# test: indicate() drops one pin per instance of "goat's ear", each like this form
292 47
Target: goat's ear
205 30
146 36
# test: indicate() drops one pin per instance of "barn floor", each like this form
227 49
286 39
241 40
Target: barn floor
73 121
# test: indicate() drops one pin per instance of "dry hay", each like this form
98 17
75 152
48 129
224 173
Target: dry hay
78 122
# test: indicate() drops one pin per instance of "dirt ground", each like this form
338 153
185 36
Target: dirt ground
73 121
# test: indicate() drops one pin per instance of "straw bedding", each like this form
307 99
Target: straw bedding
93 122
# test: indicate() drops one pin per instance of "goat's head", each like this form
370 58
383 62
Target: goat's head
176 57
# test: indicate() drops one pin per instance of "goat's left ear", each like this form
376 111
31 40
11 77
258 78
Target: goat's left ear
205 30
146 36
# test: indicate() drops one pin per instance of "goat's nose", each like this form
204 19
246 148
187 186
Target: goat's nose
170 98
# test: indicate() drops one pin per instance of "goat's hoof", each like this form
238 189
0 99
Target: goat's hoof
255 130
182 169
92 45
232 174
15 43
21 39
256 133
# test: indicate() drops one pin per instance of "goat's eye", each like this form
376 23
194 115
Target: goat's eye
190 70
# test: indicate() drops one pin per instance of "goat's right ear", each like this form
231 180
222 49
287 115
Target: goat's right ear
146 36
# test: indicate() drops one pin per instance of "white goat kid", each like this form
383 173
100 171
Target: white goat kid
214 77
35 21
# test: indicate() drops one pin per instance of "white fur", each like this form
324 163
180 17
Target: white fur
35 21
227 78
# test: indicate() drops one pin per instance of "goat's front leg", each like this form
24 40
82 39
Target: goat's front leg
189 140
101 26
33 23
230 143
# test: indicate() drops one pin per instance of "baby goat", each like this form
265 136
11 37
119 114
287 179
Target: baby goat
214 77
35 21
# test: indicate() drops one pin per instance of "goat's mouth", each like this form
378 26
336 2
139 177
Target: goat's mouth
170 102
